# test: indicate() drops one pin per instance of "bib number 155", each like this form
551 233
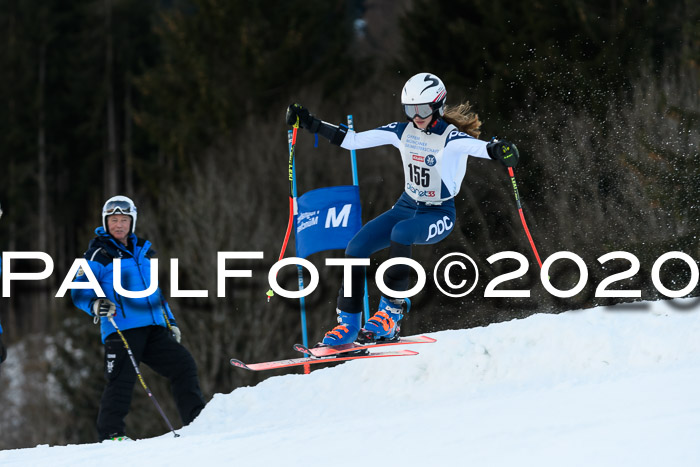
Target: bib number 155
419 175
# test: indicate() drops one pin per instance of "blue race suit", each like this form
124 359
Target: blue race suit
435 163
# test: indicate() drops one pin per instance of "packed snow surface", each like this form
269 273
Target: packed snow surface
605 387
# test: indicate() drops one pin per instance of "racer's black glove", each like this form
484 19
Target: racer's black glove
297 112
503 151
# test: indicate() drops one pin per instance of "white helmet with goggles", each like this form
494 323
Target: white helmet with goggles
119 205
423 95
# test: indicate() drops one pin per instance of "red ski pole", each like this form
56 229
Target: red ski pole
522 216
290 222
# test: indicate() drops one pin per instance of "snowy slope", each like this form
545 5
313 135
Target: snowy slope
608 386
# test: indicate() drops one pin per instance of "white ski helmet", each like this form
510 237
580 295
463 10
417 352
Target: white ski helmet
119 205
423 95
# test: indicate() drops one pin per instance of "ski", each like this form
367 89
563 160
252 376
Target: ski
312 360
326 351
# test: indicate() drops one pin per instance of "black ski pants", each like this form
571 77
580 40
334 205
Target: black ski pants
156 347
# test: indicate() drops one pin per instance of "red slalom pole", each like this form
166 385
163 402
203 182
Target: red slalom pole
522 216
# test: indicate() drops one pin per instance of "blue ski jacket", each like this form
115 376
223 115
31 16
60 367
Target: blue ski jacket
135 276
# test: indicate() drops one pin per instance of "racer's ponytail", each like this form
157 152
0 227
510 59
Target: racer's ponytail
462 117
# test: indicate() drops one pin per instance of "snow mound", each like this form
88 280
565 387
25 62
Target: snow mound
606 386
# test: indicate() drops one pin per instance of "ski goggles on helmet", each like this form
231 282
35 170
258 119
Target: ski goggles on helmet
117 207
418 110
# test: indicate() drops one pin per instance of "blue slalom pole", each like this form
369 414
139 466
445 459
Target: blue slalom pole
300 270
356 182
353 154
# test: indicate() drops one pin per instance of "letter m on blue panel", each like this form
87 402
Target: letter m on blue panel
327 219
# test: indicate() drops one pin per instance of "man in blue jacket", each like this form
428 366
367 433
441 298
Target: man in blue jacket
147 323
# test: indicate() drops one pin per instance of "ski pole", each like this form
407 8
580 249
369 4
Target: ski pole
522 216
292 207
138 373
300 269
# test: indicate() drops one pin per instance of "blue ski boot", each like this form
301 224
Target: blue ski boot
384 325
346 331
